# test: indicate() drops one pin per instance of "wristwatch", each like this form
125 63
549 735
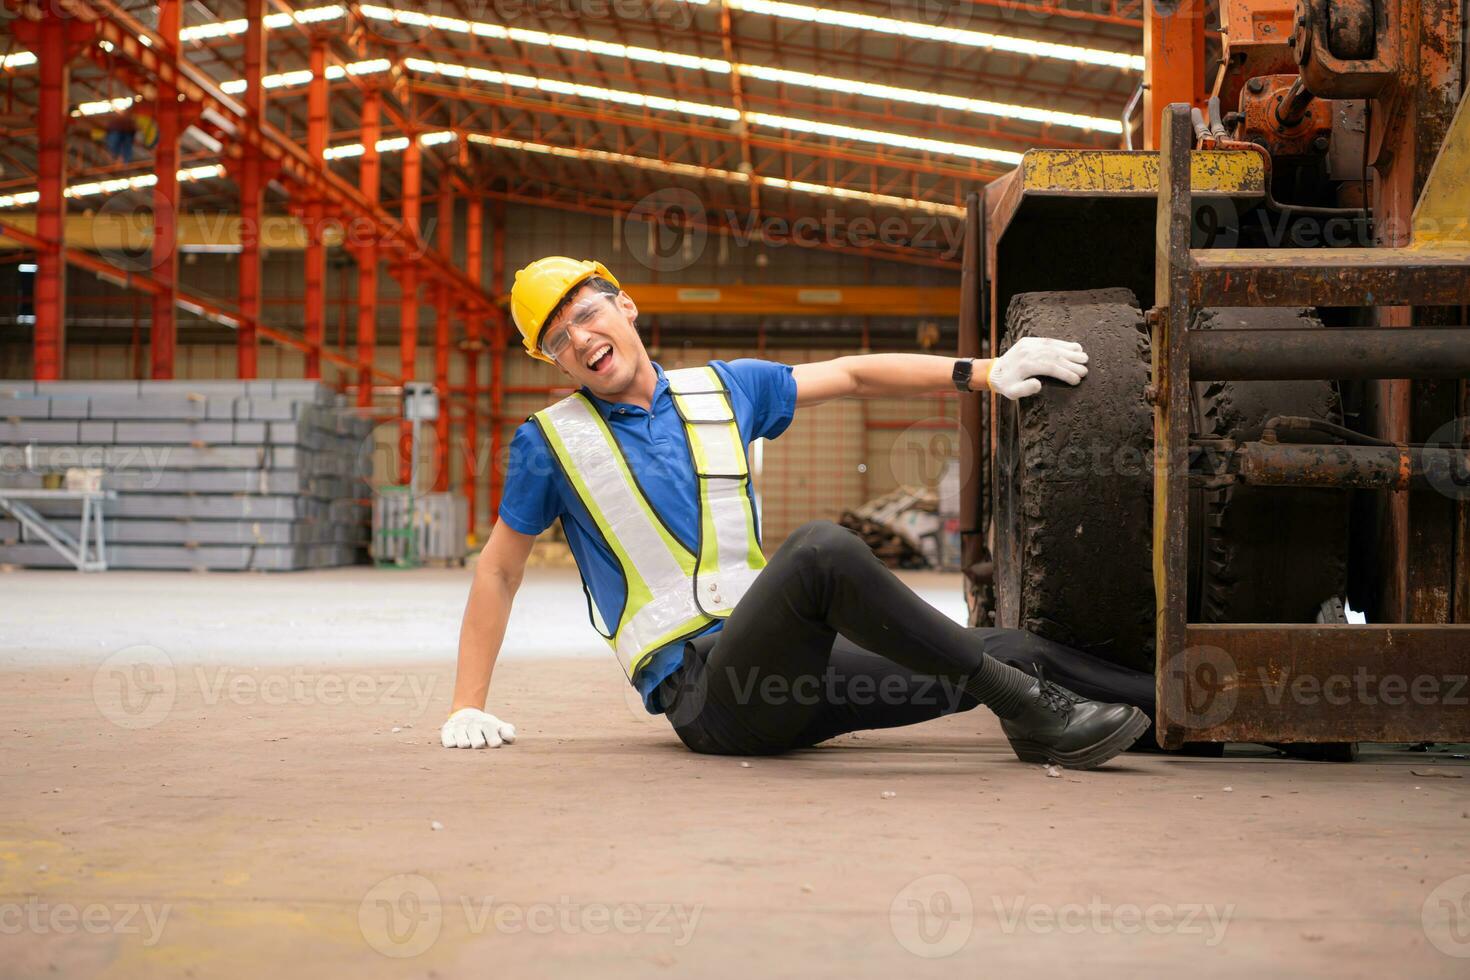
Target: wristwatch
961 375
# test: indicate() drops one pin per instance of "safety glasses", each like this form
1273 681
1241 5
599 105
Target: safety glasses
580 315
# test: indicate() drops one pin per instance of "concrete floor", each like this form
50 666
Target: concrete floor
209 776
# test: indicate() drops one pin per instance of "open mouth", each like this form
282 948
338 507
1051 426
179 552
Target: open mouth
600 359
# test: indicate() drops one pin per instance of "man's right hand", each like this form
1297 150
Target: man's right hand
471 728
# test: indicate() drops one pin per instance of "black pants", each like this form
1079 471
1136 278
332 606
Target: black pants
827 640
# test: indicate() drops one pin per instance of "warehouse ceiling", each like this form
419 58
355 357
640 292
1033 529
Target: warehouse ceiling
735 114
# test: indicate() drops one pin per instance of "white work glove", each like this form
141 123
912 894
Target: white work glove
471 728
1015 374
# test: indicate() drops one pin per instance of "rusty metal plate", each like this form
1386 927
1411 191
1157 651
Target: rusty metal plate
1331 277
1307 683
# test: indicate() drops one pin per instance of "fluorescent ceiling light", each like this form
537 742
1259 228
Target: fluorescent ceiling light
824 82
414 18
114 185
770 8
593 93
900 140
947 35
390 144
713 173
892 93
26 267
104 107
273 22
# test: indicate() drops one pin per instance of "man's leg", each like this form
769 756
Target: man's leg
824 581
862 691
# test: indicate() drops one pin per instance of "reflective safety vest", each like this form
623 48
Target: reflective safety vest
671 593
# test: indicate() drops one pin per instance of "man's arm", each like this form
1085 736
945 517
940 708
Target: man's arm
498 575
1014 374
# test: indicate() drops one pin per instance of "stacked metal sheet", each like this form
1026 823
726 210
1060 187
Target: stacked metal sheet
219 475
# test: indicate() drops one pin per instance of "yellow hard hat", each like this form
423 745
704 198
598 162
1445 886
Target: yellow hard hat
540 286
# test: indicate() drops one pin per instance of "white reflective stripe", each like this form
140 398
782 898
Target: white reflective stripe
670 610
619 509
705 407
732 588
693 381
729 510
716 451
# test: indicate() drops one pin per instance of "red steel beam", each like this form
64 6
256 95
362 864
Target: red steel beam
110 22
315 307
367 252
473 260
208 306
497 354
252 193
408 304
51 123
445 245
53 54
163 329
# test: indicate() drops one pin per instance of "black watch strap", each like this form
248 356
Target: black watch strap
962 371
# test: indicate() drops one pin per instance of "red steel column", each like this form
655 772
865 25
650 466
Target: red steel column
367 253
316 253
408 304
251 193
163 335
473 259
497 355
441 337
51 117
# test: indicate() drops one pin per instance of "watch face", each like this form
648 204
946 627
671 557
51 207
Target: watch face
961 374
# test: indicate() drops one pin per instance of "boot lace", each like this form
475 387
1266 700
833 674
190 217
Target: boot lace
1054 696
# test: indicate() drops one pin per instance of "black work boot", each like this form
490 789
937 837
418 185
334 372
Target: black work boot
1057 726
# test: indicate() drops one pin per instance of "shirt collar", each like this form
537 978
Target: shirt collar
608 409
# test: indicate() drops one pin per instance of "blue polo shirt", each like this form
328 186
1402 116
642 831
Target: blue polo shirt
536 492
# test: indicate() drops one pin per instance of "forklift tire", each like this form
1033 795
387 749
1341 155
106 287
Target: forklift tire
1271 554
1074 484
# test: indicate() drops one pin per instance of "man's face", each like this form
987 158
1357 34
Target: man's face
599 344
